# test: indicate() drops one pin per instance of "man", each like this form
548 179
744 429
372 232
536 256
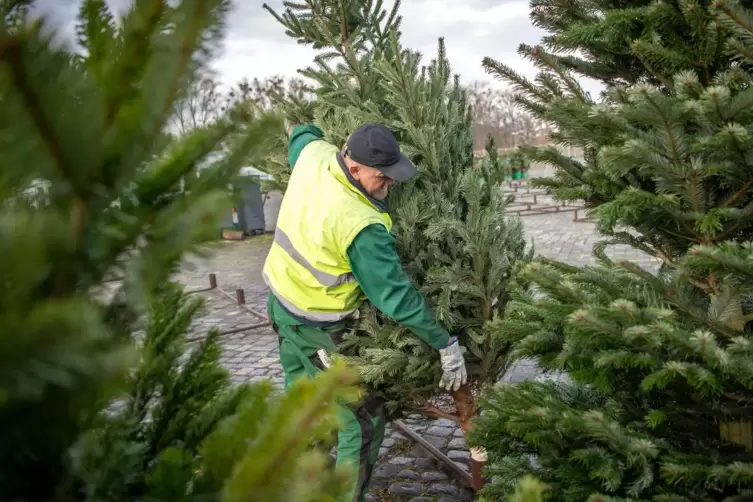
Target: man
333 249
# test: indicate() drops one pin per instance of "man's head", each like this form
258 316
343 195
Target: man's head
372 156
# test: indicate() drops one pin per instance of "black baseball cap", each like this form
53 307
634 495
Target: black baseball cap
374 145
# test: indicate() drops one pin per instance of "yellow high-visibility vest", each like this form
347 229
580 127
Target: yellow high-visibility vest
307 268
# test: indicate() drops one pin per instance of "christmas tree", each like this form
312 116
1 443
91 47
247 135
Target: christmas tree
615 44
657 404
449 223
90 189
181 431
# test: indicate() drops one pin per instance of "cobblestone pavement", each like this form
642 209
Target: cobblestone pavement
558 237
405 472
250 355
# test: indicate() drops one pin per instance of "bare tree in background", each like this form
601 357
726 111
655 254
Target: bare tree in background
206 101
495 113
201 105
262 92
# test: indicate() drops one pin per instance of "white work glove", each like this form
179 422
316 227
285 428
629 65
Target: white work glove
454 373
324 358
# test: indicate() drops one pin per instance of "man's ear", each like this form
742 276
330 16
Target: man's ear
353 170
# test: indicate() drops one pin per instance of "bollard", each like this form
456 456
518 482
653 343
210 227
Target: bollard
212 285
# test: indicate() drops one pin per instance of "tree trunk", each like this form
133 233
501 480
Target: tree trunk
465 404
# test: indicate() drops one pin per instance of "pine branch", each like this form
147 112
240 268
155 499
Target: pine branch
11 52
136 43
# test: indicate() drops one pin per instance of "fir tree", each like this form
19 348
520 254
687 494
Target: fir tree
449 222
658 406
181 431
90 128
493 162
616 44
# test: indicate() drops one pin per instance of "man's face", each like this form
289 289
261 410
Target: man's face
374 183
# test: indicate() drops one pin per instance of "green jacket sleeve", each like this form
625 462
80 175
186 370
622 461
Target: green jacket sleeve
300 137
376 266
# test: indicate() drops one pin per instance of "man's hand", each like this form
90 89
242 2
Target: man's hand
453 365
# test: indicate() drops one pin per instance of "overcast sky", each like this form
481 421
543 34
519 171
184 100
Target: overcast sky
256 45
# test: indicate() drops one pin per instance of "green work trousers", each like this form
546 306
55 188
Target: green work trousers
362 425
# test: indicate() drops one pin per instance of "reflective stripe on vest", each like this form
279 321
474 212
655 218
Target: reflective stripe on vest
313 316
307 268
323 277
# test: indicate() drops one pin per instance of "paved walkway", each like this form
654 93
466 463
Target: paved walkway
558 237
406 472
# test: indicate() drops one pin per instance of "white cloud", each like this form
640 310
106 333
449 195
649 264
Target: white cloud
256 45
471 31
